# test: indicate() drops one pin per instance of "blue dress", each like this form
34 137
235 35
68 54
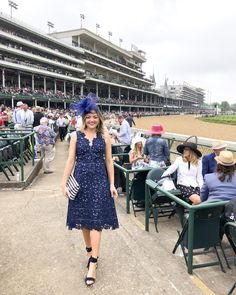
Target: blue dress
93 207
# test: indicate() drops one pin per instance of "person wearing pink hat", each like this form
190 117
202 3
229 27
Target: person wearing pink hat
156 150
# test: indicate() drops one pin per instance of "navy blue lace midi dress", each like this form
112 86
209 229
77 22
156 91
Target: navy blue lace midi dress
93 207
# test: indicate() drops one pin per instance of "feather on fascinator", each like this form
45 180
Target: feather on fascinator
86 105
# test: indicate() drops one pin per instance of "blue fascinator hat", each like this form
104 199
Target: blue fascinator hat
86 105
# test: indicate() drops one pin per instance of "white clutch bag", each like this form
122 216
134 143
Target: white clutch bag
167 184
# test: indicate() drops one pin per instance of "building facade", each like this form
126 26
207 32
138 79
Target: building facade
60 68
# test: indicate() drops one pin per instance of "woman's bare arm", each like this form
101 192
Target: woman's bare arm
109 165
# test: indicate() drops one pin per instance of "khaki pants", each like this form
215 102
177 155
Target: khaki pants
48 154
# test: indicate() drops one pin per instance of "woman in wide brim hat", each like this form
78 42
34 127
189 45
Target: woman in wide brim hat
220 185
189 169
136 154
191 145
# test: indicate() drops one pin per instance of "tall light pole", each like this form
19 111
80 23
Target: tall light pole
109 34
82 17
97 27
50 25
120 41
12 5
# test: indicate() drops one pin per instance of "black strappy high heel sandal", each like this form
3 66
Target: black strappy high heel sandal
89 249
90 279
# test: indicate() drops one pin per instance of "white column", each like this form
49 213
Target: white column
32 82
109 91
64 105
48 104
97 89
44 84
119 92
73 88
55 86
35 102
12 102
3 77
65 87
82 90
135 95
128 95
18 80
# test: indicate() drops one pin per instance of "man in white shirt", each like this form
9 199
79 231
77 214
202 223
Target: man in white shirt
61 123
25 117
124 134
15 115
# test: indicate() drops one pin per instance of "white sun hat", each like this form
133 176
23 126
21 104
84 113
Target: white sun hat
137 139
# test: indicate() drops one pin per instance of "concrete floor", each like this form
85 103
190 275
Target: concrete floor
38 255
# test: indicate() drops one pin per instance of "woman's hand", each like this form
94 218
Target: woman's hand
113 190
139 158
65 191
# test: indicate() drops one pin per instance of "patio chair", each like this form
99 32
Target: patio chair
2 165
160 204
6 160
137 191
205 236
230 232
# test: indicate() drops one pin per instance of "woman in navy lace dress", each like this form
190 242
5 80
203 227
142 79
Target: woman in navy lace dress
93 208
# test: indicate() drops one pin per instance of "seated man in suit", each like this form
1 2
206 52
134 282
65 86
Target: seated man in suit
208 161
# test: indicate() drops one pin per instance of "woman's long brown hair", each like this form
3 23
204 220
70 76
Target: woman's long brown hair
225 172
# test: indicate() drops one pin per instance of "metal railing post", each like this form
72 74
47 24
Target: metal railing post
33 144
127 192
21 159
190 240
146 208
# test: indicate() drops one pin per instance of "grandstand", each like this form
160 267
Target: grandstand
57 69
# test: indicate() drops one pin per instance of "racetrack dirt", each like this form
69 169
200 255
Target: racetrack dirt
189 125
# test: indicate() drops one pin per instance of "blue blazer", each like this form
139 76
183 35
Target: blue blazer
214 189
208 164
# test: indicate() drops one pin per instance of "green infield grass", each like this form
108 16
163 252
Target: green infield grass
221 119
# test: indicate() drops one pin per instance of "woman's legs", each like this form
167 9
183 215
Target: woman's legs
87 240
95 237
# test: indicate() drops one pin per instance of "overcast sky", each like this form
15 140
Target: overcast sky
184 40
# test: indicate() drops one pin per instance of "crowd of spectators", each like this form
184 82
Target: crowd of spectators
28 91
114 79
36 41
114 66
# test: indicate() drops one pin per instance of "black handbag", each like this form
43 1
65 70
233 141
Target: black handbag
73 187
